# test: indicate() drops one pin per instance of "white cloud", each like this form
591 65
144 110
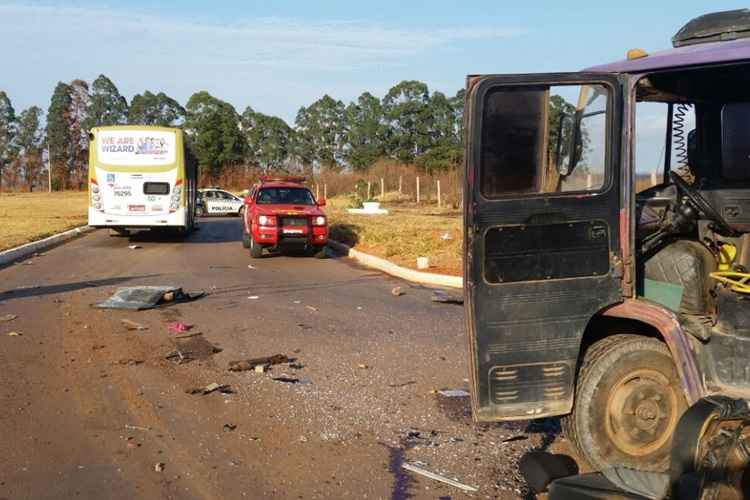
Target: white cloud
251 59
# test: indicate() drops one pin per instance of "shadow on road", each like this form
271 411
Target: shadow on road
208 231
292 286
37 291
402 480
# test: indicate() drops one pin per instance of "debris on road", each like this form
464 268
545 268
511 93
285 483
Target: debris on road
178 327
437 477
445 237
304 326
7 317
403 384
260 369
446 298
250 364
188 335
209 389
129 361
146 297
136 428
159 467
253 297
182 357
134 247
518 437
313 309
229 427
14 334
454 393
290 380
362 366
132 325
250 266
397 292
296 366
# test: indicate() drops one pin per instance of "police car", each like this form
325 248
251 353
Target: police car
214 201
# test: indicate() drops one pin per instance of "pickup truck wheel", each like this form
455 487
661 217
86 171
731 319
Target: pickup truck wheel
628 400
245 237
256 251
200 211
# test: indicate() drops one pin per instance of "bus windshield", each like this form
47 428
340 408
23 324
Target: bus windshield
285 196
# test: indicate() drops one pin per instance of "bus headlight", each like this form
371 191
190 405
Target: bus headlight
319 221
94 188
98 206
96 197
177 189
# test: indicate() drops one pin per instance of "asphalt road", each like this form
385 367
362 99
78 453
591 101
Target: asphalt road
88 409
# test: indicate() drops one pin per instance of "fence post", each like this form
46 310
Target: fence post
589 181
438 193
653 178
325 191
382 189
400 178
417 189
368 190
317 190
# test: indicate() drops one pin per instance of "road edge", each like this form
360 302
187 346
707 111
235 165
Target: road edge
27 249
389 267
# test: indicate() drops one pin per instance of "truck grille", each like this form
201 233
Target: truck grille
294 221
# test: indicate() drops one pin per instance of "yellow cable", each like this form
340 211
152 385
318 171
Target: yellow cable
738 282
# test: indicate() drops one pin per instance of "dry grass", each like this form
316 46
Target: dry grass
26 217
407 232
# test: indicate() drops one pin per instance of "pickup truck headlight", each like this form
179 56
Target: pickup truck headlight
267 220
319 221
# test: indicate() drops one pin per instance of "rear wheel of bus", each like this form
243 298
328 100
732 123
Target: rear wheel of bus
628 401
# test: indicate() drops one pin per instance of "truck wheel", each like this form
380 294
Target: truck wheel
628 400
245 237
256 251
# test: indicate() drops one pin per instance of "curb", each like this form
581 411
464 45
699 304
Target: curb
395 270
25 250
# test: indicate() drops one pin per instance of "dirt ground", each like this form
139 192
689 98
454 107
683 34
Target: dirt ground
90 409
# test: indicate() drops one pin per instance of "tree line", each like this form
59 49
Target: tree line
410 124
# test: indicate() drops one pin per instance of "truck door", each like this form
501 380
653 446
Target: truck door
542 233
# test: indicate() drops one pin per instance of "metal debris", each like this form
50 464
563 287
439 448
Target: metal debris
437 477
454 393
250 364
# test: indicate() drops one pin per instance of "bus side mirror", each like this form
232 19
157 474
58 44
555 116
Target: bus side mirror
322 202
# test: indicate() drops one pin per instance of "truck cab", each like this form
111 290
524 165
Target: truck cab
607 241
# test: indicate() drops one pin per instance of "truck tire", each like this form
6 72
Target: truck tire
245 237
256 251
628 401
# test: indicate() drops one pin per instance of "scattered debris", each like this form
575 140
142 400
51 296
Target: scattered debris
253 297
96 347
159 467
250 364
183 357
290 380
260 368
229 427
446 237
133 445
304 326
446 298
303 439
14 334
518 437
297 301
188 335
134 247
250 266
209 389
362 366
296 366
437 477
136 428
178 327
7 317
397 292
146 297
403 384
28 263
129 361
313 309
132 325
454 393
359 308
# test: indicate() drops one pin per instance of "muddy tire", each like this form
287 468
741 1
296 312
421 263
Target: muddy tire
628 400
256 251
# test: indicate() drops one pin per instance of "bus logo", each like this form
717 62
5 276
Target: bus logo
110 178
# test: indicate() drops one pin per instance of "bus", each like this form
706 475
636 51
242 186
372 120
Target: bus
141 177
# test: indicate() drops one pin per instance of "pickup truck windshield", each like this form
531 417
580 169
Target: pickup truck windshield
285 196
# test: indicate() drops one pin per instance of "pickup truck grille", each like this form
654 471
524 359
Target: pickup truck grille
294 221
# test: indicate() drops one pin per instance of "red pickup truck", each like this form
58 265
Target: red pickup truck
282 212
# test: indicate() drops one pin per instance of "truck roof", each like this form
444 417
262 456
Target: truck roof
690 55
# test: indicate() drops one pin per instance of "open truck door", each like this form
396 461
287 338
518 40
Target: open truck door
542 233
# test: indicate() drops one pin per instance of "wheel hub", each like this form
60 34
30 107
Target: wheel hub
641 412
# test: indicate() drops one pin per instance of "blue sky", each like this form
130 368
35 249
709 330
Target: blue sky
279 55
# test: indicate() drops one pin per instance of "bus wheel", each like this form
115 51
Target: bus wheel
256 251
628 400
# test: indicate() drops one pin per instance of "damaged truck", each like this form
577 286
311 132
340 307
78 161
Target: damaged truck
607 241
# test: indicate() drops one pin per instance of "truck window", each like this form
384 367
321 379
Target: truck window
539 140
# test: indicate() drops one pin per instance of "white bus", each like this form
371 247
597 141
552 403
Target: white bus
141 178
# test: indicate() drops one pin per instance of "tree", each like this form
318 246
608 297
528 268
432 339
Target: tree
106 105
7 133
320 133
214 127
155 109
30 143
269 139
407 112
365 132
444 145
59 146
78 134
